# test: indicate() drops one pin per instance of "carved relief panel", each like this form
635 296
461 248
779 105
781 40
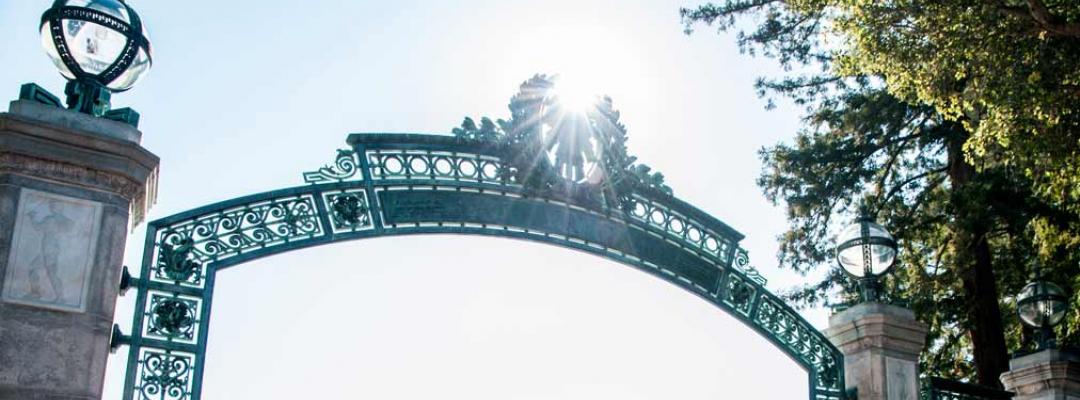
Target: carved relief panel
52 251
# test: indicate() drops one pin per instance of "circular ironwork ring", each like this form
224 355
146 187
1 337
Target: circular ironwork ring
133 32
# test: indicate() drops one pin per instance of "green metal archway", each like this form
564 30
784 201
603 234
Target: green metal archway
549 174
401 184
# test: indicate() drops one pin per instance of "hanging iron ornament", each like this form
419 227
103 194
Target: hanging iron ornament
866 252
100 46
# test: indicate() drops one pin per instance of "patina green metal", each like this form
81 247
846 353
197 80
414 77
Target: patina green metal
497 179
88 97
400 184
33 92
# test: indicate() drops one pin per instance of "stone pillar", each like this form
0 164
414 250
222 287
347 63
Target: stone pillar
71 186
881 345
1046 375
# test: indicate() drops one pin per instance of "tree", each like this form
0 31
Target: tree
920 103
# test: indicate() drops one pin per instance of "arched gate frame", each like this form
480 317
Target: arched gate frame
401 184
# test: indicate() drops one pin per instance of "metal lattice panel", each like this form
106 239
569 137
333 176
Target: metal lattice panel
423 184
944 389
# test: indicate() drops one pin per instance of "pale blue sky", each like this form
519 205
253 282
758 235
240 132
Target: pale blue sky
244 96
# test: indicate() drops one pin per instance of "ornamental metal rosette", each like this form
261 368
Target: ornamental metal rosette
497 179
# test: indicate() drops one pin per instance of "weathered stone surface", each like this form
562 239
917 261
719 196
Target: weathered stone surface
881 345
1046 375
74 121
68 195
31 147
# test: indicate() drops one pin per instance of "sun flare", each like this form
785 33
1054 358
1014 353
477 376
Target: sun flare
575 94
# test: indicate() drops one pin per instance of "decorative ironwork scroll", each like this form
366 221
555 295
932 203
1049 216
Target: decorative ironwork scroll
501 178
397 184
172 317
344 167
164 375
187 245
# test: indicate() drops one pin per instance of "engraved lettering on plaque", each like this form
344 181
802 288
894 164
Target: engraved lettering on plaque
52 251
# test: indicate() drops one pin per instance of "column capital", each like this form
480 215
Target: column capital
1045 375
881 345
878 326
67 147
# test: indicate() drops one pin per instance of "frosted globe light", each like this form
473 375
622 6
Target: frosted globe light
97 42
866 249
1041 304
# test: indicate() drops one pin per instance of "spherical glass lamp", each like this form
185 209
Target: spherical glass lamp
1042 305
866 251
100 46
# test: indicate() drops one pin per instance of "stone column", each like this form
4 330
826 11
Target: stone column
71 186
881 345
1046 375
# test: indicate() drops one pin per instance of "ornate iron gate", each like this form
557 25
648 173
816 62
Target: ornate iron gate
482 182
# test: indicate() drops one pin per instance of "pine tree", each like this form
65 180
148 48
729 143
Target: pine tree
957 121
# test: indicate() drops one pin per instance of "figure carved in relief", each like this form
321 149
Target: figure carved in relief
44 268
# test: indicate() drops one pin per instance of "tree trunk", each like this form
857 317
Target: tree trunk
987 333
975 264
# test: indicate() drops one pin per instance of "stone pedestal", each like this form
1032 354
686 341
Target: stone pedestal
71 186
1045 375
881 345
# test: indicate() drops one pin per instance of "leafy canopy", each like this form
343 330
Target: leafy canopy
959 119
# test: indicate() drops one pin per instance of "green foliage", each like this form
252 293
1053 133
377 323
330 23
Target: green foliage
960 120
486 131
871 140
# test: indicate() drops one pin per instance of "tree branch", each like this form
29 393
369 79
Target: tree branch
922 197
1037 13
949 342
710 13
938 255
896 188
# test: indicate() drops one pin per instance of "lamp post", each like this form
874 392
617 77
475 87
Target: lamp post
100 46
84 168
866 252
1041 306
1047 373
881 342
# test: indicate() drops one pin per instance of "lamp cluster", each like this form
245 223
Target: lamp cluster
866 252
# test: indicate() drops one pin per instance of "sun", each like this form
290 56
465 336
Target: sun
570 132
574 93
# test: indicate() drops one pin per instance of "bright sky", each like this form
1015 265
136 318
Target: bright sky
245 96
